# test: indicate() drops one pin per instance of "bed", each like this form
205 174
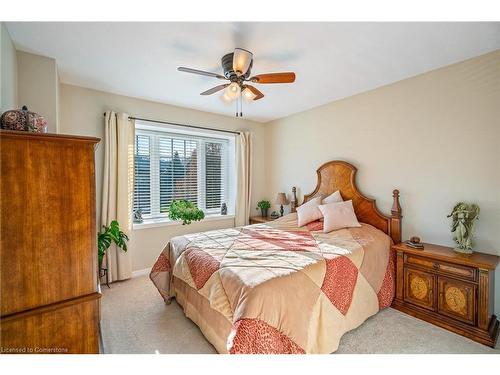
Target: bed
280 288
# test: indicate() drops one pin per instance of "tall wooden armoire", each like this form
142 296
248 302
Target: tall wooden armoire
48 258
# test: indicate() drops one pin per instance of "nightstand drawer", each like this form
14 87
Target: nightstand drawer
418 261
463 272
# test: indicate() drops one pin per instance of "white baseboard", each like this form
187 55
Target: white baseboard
143 272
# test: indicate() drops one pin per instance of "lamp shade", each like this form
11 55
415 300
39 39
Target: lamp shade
232 91
281 199
226 98
241 60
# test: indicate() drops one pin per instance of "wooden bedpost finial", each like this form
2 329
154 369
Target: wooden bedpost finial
395 221
294 202
396 207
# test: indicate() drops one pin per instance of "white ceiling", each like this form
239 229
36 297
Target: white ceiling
331 60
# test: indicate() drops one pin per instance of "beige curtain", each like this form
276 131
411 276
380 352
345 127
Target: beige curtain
244 165
117 189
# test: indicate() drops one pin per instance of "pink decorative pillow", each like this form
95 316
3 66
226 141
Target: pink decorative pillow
338 215
333 198
309 211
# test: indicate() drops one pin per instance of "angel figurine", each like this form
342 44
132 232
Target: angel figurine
463 217
138 216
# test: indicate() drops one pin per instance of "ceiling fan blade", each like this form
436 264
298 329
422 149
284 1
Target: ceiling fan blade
256 92
286 77
200 72
241 61
214 89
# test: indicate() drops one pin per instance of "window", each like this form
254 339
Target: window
170 164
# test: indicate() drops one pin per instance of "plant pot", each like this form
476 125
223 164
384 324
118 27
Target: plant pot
263 212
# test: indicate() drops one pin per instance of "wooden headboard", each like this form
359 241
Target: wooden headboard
340 175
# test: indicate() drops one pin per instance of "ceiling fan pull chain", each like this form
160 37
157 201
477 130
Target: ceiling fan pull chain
241 105
237 106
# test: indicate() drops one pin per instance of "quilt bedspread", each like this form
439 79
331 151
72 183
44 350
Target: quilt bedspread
283 288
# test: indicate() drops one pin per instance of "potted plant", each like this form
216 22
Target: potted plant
107 236
264 207
186 211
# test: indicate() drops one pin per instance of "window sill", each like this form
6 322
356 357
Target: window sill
162 222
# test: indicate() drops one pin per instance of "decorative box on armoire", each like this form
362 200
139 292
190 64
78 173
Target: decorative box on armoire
48 258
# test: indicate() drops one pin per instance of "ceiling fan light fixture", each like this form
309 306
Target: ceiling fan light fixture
241 61
232 91
226 98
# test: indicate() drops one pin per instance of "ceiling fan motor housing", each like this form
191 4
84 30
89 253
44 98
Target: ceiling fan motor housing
227 66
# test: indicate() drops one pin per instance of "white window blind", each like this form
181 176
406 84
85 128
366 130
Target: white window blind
171 166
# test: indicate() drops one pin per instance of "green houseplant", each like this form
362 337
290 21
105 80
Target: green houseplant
186 211
264 206
106 236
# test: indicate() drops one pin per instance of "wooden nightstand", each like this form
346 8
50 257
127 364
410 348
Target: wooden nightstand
260 219
452 290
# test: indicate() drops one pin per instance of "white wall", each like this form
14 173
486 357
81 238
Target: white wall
38 86
8 71
81 112
435 137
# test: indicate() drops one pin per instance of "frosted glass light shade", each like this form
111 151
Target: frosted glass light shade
241 60
232 91
225 97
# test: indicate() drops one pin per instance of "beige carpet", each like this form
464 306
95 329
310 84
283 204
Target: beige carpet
135 320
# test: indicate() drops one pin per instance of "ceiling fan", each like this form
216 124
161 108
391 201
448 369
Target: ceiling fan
237 67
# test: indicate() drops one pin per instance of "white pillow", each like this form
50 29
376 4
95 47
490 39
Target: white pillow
338 215
309 211
333 198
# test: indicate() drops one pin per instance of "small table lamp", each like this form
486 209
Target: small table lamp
281 200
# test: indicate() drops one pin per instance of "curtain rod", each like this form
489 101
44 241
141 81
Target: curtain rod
183 125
